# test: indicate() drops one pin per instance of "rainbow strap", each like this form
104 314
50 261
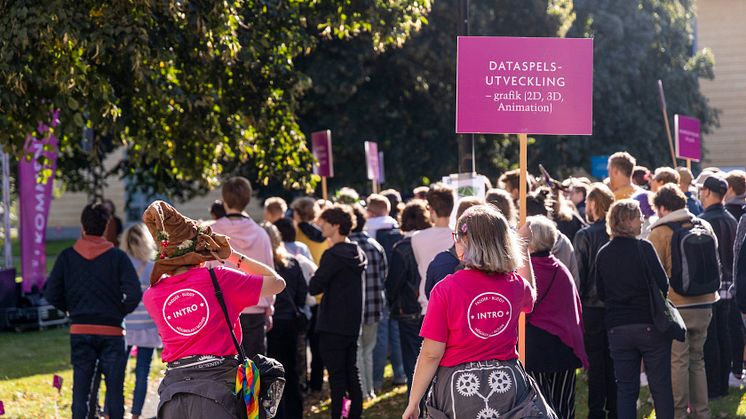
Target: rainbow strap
247 383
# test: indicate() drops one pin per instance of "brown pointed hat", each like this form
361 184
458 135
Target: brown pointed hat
180 240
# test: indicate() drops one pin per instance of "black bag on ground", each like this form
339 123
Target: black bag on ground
271 372
695 263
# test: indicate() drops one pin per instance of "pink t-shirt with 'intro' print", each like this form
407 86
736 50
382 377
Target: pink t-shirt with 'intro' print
476 315
188 315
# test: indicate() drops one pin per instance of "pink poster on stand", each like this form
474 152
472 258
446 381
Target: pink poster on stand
371 159
321 146
688 137
507 85
35 199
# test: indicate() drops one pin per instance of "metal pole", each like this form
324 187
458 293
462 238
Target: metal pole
6 210
466 151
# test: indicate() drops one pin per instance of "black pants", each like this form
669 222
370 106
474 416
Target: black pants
108 353
735 324
601 382
317 363
282 346
629 345
340 357
718 351
254 334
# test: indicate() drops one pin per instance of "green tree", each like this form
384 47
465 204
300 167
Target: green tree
405 98
194 89
635 44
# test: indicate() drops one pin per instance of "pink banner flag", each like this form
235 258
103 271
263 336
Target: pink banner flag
57 382
371 159
321 146
688 137
35 198
508 85
2 408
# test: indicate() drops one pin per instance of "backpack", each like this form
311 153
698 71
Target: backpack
387 238
695 263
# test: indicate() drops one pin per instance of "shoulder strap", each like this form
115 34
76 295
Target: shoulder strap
221 301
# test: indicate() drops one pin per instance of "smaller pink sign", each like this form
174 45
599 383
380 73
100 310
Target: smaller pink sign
381 171
509 85
688 137
57 382
2 408
321 146
372 160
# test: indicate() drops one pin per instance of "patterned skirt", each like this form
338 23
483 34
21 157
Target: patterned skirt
486 390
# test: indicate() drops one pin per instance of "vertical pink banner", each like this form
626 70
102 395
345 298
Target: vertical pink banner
688 138
371 159
35 199
509 85
321 147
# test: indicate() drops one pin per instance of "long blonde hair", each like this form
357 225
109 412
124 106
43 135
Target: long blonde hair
138 243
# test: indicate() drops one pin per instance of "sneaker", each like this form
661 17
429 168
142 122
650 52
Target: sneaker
643 379
400 381
734 381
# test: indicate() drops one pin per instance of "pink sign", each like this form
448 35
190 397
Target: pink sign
372 162
508 85
688 137
35 199
57 382
321 145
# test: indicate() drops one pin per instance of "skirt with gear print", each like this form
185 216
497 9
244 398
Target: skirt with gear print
486 390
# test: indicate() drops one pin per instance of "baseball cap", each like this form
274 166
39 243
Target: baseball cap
716 184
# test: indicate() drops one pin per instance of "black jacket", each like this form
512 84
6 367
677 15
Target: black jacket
587 243
624 268
340 277
724 226
100 291
444 264
293 298
403 282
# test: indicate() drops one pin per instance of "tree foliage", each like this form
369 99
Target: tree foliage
194 89
635 44
405 98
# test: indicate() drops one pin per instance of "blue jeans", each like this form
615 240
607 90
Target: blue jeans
630 344
387 339
409 333
142 369
88 351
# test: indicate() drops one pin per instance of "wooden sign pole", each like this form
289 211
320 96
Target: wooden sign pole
523 138
324 192
689 164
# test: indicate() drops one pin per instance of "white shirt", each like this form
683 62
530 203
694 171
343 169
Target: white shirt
426 244
373 224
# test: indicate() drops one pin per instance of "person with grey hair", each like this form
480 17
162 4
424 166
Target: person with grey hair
626 269
556 322
470 328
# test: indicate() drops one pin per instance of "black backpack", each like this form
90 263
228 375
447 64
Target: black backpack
695 263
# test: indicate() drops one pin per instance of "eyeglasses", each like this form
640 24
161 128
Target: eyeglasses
456 236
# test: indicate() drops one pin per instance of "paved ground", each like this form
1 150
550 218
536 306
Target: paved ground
150 409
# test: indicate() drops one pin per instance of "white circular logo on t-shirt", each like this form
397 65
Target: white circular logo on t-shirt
489 314
186 311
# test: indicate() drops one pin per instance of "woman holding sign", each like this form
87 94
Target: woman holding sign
470 329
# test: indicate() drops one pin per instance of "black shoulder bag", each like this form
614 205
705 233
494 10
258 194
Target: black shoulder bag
271 372
666 316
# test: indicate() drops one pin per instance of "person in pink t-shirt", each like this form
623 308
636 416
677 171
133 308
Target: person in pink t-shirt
470 328
182 300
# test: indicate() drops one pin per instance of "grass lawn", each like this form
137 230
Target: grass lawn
30 360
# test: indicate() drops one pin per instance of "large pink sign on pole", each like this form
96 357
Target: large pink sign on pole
511 85
321 146
371 159
688 137
35 198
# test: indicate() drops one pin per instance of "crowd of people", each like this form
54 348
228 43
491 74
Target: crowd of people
358 283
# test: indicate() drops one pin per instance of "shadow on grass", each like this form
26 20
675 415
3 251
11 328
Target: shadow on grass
31 353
